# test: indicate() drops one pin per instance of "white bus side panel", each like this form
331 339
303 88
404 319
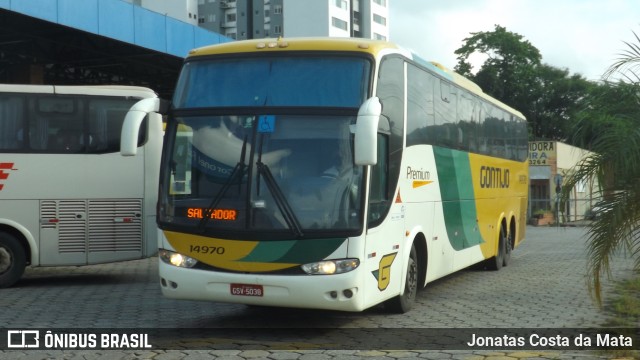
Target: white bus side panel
88 208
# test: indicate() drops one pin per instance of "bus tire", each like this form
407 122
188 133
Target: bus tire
404 302
496 262
508 247
12 260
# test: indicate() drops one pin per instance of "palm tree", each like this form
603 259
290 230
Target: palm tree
609 126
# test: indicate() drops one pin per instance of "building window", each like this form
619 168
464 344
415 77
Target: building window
379 19
381 2
379 37
277 9
231 17
342 4
340 24
277 29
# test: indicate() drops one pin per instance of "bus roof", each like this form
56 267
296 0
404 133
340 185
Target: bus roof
372 47
105 90
295 44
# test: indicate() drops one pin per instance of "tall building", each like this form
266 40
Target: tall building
253 19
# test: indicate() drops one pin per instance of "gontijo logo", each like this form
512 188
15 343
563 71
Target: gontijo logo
4 175
494 177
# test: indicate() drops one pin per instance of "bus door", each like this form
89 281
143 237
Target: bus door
385 235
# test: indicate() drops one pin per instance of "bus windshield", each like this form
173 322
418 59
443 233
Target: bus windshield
260 145
261 173
273 81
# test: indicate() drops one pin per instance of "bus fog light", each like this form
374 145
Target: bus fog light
329 267
176 259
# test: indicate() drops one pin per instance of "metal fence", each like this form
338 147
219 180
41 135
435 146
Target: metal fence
564 212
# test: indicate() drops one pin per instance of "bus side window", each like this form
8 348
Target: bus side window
391 92
104 124
11 123
67 140
420 106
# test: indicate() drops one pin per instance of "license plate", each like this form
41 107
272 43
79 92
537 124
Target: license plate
246 290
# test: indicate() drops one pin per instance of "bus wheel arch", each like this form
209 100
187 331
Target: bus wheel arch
420 242
414 277
14 256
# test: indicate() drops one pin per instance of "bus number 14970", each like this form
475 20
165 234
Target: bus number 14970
206 249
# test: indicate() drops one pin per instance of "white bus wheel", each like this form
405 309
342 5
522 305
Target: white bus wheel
12 260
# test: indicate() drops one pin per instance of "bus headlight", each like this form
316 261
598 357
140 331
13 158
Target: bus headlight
329 267
176 259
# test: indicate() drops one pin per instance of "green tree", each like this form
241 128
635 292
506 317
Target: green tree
513 73
556 102
609 126
508 73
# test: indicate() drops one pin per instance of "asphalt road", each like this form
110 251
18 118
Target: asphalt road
543 288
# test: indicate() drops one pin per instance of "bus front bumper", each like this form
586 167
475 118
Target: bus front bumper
330 292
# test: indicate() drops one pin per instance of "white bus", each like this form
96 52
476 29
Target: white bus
67 196
333 174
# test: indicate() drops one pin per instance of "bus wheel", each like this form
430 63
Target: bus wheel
496 262
403 303
507 249
12 260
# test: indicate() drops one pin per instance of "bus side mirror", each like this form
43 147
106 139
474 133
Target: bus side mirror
132 121
366 132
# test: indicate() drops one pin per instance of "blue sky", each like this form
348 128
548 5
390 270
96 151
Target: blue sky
584 36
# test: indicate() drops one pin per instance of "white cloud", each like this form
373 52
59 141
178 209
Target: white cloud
584 36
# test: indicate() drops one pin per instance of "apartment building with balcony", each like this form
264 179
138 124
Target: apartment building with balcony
253 19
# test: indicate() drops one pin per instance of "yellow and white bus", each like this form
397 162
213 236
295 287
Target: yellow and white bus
333 174
67 196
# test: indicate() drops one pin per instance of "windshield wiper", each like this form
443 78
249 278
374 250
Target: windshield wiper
281 201
238 172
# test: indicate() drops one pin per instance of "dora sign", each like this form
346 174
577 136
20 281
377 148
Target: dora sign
542 152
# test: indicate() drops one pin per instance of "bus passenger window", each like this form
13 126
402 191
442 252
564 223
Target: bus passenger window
68 140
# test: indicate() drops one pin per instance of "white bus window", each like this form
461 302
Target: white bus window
11 123
105 123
